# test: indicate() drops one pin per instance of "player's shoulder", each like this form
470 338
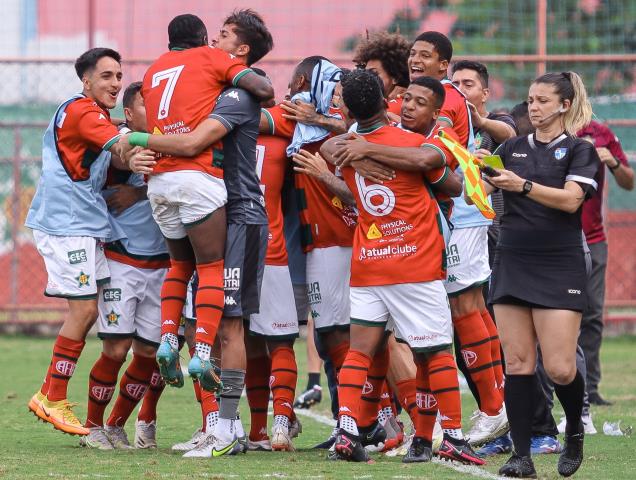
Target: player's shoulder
83 105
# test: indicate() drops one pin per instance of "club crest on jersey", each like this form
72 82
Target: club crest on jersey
559 153
83 280
112 318
469 357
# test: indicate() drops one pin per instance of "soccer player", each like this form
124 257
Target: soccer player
129 304
187 194
468 268
234 120
397 272
76 153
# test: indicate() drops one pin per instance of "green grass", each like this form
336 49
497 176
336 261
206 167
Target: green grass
32 449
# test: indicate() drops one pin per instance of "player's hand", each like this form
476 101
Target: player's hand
310 164
352 148
123 197
373 171
475 117
141 160
480 153
606 157
393 117
507 180
301 112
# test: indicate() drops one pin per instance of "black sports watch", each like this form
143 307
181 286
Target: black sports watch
527 186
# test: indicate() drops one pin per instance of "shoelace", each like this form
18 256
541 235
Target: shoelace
67 413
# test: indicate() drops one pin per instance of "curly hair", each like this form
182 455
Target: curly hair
391 49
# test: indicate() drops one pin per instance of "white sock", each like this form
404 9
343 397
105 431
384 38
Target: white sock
203 350
382 418
238 425
172 339
455 433
211 420
224 430
348 424
281 421
388 411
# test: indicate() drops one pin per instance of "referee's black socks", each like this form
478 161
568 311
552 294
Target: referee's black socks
571 398
519 399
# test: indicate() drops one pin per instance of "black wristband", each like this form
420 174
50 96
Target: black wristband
615 167
527 186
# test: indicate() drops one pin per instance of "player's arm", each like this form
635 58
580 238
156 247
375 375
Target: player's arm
614 157
498 130
258 86
306 113
354 147
315 166
450 183
125 196
369 169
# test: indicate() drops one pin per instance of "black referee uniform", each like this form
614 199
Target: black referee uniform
539 260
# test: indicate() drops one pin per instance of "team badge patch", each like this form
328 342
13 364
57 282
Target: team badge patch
83 280
112 318
559 153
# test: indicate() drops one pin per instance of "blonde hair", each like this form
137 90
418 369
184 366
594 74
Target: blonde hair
569 86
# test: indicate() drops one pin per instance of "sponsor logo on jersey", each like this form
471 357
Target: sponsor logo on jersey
230 301
452 255
367 388
451 278
83 279
112 318
344 409
388 251
283 325
232 278
396 227
423 338
65 367
425 400
102 393
523 155
470 357
559 153
374 233
77 256
314 314
336 202
573 291
313 293
136 390
112 295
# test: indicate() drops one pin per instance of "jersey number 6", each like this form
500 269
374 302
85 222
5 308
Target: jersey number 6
171 76
367 192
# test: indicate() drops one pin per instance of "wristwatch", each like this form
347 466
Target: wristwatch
527 186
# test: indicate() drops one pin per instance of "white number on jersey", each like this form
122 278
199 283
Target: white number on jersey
260 158
367 192
171 76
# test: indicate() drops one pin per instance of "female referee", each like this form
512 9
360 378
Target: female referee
538 278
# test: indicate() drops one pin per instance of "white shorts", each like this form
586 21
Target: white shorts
328 273
130 304
76 266
277 315
467 259
184 198
420 312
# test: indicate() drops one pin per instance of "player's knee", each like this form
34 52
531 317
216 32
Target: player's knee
519 364
231 330
117 348
144 349
561 373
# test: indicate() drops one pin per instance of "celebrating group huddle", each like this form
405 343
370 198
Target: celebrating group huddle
214 217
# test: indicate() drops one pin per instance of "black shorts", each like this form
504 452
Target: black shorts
245 250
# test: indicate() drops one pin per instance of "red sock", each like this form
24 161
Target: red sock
337 355
148 409
442 376
132 388
101 386
386 400
283 380
173 295
495 348
475 348
66 352
257 390
373 387
406 390
208 405
44 389
426 404
209 301
353 375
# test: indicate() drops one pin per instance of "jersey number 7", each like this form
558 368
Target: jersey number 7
171 75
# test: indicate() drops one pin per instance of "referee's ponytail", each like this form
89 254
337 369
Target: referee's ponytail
569 85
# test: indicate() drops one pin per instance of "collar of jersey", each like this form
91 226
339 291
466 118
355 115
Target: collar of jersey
370 129
177 49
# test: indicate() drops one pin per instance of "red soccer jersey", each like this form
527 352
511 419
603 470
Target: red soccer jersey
83 131
395 105
398 238
325 219
455 111
271 163
180 89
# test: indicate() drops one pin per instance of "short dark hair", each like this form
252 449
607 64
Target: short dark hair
88 60
187 31
442 44
391 50
362 93
129 94
251 30
306 66
480 68
434 86
519 114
